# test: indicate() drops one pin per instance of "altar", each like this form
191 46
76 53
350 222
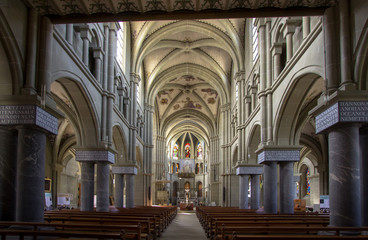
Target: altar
186 206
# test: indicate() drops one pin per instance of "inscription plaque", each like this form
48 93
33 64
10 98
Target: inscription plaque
279 156
343 111
28 114
95 156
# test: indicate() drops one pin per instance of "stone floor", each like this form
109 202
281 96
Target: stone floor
185 226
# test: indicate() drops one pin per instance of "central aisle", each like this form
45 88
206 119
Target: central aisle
185 226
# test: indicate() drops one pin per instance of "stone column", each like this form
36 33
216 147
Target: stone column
87 186
119 190
243 191
244 171
341 119
287 188
31 156
262 77
33 122
270 187
306 26
248 107
103 176
86 37
289 29
8 163
69 33
31 56
344 176
269 156
276 53
363 139
88 157
331 49
97 55
255 192
130 191
129 171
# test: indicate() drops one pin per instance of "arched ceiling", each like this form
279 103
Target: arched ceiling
128 10
188 66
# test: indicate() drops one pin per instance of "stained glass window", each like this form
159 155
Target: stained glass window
176 151
307 175
199 151
187 150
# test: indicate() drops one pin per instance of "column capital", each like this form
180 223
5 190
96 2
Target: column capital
277 153
247 169
98 52
125 169
290 26
28 115
94 155
341 107
276 49
85 33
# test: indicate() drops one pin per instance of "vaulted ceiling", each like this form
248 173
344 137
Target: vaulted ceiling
188 67
187 64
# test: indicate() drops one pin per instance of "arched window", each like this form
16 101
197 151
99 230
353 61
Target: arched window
254 40
187 150
307 181
199 151
120 48
176 151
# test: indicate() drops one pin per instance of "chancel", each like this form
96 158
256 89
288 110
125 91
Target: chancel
151 109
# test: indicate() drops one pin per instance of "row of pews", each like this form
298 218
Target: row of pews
136 223
245 224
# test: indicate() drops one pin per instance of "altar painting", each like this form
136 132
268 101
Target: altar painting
187 165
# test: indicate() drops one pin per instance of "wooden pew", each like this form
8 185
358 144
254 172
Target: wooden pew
227 232
64 234
147 232
131 231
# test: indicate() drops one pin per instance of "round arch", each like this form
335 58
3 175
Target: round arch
304 87
79 106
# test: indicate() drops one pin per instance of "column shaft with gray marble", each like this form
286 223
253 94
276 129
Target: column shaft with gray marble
130 190
32 124
8 169
255 191
243 191
287 187
88 157
244 171
87 186
270 187
129 171
31 156
363 139
269 156
344 176
103 175
341 117
119 190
